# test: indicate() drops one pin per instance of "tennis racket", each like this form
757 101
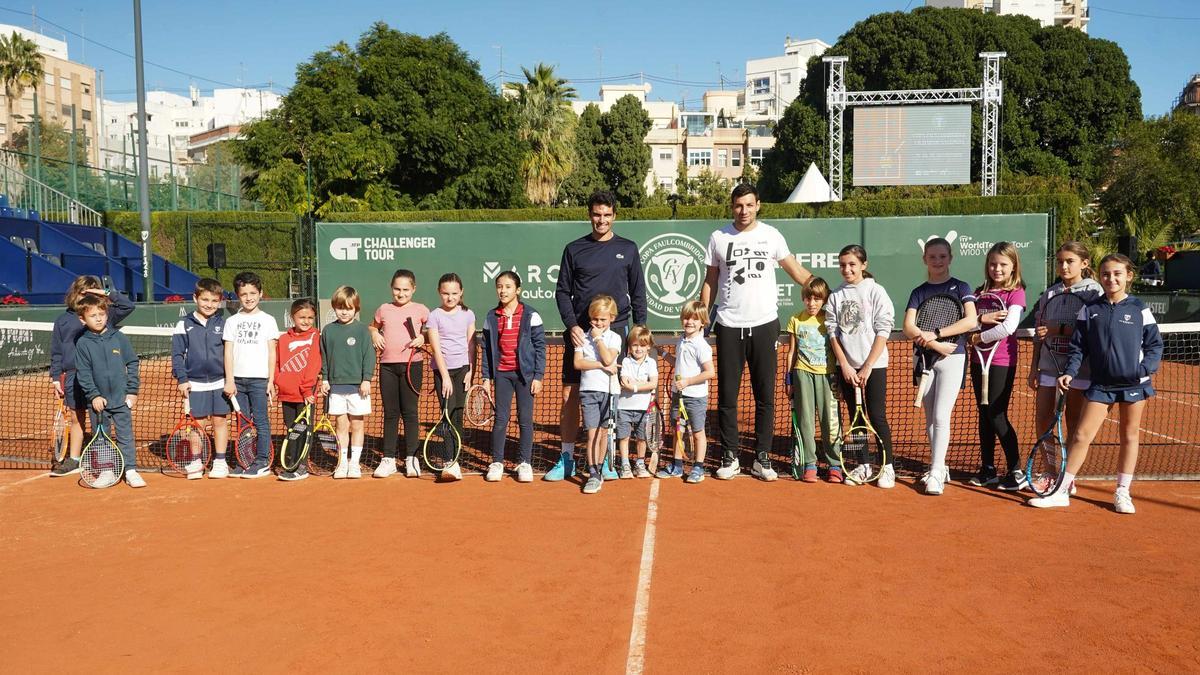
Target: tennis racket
681 432
796 468
861 446
245 448
101 465
298 442
481 409
987 303
653 421
443 442
1059 319
323 453
60 432
420 379
1047 460
934 313
188 448
614 390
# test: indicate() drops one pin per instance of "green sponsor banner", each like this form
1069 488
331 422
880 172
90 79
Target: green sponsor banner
364 255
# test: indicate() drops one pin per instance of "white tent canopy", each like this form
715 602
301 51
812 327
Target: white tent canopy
813 188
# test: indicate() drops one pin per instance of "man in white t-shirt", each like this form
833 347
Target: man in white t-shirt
741 260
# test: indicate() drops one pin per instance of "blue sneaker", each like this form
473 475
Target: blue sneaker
257 470
696 475
607 472
237 471
562 469
672 470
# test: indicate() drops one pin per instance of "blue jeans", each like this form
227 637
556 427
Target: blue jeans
507 384
122 419
252 397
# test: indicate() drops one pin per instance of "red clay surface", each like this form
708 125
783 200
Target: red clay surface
412 575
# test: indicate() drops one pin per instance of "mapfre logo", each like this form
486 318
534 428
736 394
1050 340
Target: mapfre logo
345 248
673 265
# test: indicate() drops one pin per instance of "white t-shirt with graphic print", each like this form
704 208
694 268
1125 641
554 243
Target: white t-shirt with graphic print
251 335
746 291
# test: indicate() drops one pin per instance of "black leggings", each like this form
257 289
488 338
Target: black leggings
399 402
875 400
458 398
993 419
735 348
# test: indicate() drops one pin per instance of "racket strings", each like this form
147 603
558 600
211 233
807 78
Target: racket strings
101 463
938 312
323 456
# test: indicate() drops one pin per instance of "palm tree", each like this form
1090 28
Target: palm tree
547 123
20 67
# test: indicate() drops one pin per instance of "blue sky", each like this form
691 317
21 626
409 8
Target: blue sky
223 43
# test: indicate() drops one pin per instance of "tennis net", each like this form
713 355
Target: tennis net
1170 428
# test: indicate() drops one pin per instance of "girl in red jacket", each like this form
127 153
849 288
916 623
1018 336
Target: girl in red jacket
297 369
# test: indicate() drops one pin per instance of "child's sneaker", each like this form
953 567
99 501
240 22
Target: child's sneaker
342 469
134 480
810 474
354 470
1122 502
219 469
859 475
887 477
640 470
524 473
626 471
1013 482
564 468
672 470
495 472
934 483
607 472
593 485
257 470
696 475
985 478
763 472
835 476
299 474
728 471
387 467
1057 498
412 467
194 469
65 468
452 472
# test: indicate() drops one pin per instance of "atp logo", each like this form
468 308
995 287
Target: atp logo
345 248
950 237
674 269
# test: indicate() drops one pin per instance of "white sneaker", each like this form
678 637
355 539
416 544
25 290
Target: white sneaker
354 470
219 469
764 473
412 467
728 472
136 481
106 478
495 472
1055 499
860 475
452 472
1072 488
194 469
887 477
524 473
1123 502
935 483
387 467
342 470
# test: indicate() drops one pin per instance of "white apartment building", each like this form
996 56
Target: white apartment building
772 83
665 138
172 121
1066 13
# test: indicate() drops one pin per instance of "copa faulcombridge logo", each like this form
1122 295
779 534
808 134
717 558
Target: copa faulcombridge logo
674 268
376 248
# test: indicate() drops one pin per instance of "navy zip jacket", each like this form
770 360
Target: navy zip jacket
1120 341
197 349
107 366
531 345
68 328
590 268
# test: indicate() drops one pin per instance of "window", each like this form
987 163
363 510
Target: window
66 111
181 124
737 157
785 78
722 157
756 156
49 80
761 85
667 184
699 158
87 88
65 83
86 114
666 155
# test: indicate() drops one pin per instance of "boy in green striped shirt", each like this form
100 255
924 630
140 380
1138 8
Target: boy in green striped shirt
347 366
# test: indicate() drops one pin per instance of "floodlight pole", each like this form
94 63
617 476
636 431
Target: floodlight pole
143 176
993 94
835 104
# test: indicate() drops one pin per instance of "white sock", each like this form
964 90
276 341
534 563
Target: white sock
341 455
1124 480
1068 481
568 448
355 454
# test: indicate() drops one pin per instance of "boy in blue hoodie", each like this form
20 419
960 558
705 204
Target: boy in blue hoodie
198 364
107 371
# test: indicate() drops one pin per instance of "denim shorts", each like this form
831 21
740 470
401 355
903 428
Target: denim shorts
632 421
1138 392
696 407
594 405
208 403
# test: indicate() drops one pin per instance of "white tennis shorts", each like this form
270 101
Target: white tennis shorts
345 400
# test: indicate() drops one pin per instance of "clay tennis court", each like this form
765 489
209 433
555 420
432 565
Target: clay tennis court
420 576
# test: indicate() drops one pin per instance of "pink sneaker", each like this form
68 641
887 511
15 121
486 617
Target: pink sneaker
835 476
810 476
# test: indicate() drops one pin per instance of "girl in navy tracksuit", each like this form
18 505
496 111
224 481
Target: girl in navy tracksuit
1117 336
514 355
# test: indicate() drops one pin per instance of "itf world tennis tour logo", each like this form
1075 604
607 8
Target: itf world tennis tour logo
674 269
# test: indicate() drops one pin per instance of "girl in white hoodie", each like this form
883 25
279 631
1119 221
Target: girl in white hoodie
859 319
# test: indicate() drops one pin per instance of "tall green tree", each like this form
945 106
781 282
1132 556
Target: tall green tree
624 155
21 66
585 178
1067 96
1155 176
546 122
397 119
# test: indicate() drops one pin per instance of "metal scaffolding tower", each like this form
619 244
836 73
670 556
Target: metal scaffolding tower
837 99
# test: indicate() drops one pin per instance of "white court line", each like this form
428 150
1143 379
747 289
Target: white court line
25 480
635 663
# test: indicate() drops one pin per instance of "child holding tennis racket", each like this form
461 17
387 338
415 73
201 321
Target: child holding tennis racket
639 383
514 356
108 375
859 319
1053 331
694 367
198 365
299 366
807 383
1000 301
398 347
1118 337
596 361
939 357
347 366
250 339
451 331
67 331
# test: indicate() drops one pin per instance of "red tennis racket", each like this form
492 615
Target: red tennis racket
188 448
246 437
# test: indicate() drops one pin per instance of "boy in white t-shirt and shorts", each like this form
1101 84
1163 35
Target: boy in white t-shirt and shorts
693 363
250 337
639 382
596 362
